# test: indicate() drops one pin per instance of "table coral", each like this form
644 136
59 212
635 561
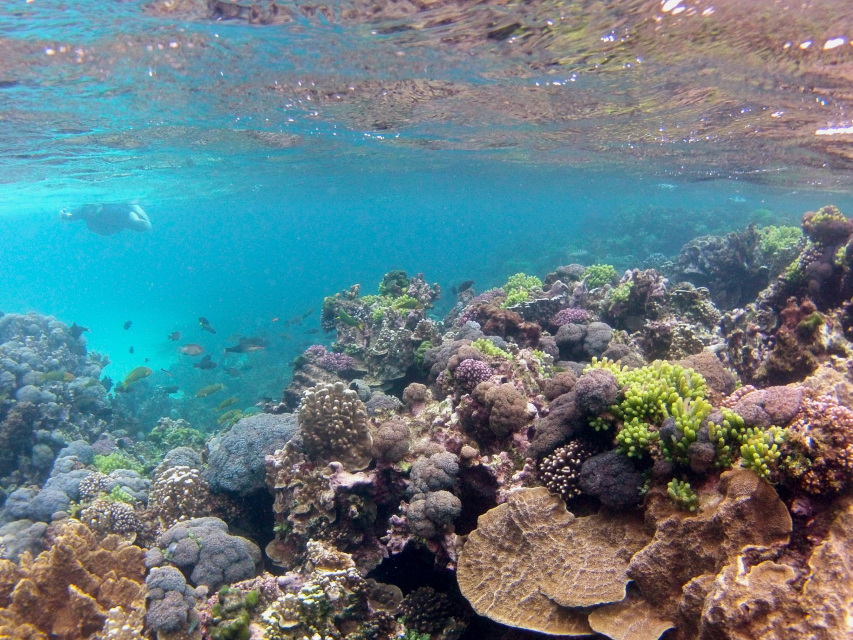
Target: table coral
531 564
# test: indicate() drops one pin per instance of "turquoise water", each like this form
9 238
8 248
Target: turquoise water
283 163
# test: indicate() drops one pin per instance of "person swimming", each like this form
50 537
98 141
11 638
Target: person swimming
109 219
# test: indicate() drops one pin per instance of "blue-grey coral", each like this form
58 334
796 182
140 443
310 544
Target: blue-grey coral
204 549
434 473
612 478
22 535
170 601
236 461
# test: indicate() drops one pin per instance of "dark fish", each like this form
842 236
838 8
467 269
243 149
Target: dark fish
145 359
234 372
311 332
168 373
204 323
130 350
77 330
298 319
171 389
127 324
107 382
205 363
247 345
174 336
465 286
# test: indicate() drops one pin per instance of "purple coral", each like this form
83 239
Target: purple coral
316 350
472 372
572 315
337 362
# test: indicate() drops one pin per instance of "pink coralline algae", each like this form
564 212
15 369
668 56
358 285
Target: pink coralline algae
337 362
472 372
570 316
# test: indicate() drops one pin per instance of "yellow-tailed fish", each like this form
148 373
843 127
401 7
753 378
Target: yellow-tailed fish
226 403
59 376
137 374
209 390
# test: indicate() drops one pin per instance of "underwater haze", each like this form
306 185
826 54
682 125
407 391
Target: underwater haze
346 198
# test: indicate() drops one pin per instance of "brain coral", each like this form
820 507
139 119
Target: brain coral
530 563
335 427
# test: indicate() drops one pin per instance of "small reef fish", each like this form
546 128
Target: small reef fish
134 376
234 372
462 287
128 324
59 376
131 349
234 414
205 363
77 330
171 389
311 332
167 372
209 390
174 336
247 345
298 319
204 323
226 403
348 320
107 382
192 349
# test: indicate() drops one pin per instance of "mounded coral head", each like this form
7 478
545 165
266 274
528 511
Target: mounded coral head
827 225
472 372
335 427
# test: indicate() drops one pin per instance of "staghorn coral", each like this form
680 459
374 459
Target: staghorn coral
334 426
66 592
531 564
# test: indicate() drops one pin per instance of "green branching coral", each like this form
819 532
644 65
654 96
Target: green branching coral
778 239
489 349
622 293
394 283
682 494
518 288
664 410
598 275
116 460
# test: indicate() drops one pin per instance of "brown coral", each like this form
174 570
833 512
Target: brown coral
66 593
530 562
745 510
179 493
334 426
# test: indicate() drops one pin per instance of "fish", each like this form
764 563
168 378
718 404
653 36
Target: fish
247 345
137 374
285 336
463 287
311 332
77 331
107 382
298 319
127 324
131 349
226 403
59 375
171 389
167 372
348 320
228 415
274 319
204 323
209 390
192 349
174 336
234 372
205 363
144 359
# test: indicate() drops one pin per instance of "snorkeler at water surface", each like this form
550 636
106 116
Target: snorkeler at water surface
109 219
